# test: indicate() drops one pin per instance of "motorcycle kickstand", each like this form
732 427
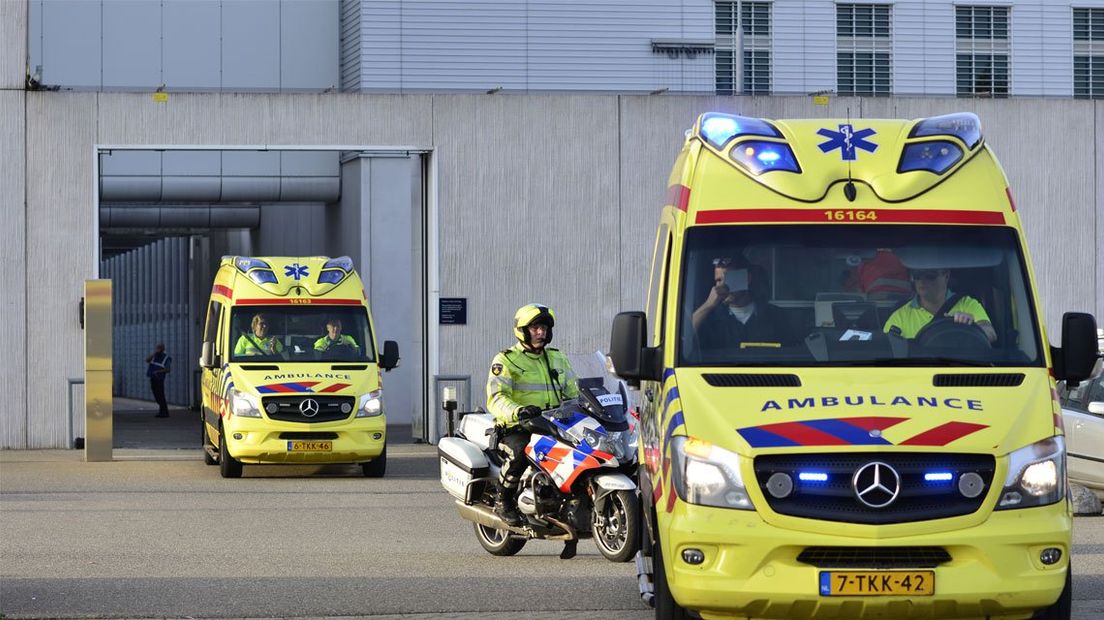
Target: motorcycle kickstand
569 549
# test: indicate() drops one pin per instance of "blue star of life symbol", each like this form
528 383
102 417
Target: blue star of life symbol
847 140
296 271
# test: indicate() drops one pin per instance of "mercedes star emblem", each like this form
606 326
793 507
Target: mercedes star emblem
876 484
309 407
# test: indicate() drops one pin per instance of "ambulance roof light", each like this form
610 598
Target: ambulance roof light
343 263
245 263
937 156
335 270
719 129
760 156
963 125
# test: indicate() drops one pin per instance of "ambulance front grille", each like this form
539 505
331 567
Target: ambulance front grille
820 486
874 557
290 408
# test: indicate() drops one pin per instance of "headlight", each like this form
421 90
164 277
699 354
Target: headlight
598 441
244 405
371 405
1036 475
708 475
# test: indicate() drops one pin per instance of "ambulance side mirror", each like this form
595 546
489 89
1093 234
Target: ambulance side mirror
632 360
390 357
1074 362
207 357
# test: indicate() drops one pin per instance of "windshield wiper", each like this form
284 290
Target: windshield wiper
923 361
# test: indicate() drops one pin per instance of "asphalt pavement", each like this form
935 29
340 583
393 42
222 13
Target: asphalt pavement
158 534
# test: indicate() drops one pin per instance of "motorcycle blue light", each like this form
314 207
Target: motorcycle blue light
962 125
937 157
938 476
719 129
759 157
812 476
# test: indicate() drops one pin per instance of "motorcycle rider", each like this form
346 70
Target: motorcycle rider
523 380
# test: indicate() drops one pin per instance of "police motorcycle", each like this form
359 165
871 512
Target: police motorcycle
579 482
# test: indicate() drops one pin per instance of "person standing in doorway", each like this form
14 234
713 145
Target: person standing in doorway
159 365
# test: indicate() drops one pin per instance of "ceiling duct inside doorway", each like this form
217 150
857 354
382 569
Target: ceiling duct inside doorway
219 176
177 216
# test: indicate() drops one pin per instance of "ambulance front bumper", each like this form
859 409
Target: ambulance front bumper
260 440
751 568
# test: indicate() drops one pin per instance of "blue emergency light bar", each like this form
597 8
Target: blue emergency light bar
719 129
759 156
963 125
937 156
938 476
335 270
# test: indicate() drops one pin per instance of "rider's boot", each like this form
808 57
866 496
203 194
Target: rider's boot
506 506
569 549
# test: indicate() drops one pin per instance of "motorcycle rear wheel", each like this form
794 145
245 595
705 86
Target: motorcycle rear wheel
498 542
617 529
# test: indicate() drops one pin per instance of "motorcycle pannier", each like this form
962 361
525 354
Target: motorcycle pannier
475 426
464 469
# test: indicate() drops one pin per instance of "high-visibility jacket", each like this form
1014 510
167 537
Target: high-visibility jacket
249 344
519 378
325 342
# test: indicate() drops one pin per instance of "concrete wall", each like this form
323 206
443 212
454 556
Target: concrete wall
541 198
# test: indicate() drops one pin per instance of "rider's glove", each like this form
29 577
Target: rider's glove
528 412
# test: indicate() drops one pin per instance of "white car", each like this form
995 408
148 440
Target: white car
1083 417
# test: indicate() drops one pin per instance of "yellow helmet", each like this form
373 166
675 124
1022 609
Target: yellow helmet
528 315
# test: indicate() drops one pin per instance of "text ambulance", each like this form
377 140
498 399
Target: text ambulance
290 369
847 394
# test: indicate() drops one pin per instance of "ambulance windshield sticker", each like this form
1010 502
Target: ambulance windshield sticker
296 271
847 140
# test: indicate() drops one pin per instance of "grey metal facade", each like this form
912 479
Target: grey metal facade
591 170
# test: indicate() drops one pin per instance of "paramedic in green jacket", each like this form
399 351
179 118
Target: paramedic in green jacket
259 342
934 300
524 380
334 337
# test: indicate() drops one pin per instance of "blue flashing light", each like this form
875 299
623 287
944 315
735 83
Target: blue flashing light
263 276
719 129
963 125
343 263
938 476
333 276
244 264
812 476
759 156
938 156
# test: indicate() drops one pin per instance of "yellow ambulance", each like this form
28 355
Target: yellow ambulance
848 397
291 370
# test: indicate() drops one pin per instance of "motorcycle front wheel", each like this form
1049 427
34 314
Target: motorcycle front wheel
616 526
498 542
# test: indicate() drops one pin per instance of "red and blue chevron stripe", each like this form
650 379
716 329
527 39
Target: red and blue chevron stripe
860 431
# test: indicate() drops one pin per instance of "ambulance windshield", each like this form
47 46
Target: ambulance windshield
847 295
300 334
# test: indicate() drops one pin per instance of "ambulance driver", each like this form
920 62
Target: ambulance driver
933 299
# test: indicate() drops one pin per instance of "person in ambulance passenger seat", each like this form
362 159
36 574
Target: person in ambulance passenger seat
933 299
259 342
524 380
732 315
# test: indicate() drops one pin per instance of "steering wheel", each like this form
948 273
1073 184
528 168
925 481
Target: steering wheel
944 333
342 351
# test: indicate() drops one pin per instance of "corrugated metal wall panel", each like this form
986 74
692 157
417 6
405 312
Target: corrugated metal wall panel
923 48
13 304
1042 49
1096 275
350 44
381 45
803 55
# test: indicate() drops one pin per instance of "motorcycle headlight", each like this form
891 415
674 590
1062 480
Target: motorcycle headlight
244 405
371 405
708 475
598 441
1036 475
